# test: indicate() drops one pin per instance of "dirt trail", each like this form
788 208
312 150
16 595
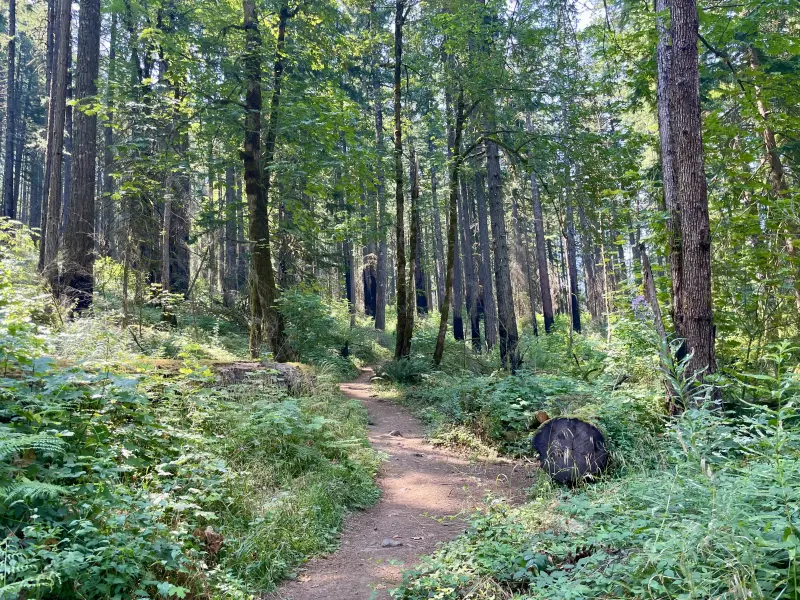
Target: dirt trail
426 494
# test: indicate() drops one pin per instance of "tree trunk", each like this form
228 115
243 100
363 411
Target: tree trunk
37 175
420 300
686 129
230 238
663 84
55 149
455 166
22 136
381 264
507 320
541 256
485 270
468 262
522 260
66 199
650 293
401 349
107 233
79 255
266 320
414 240
9 201
438 247
588 255
572 261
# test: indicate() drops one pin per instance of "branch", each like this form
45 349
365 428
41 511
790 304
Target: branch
725 57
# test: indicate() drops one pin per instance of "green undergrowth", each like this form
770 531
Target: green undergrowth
718 520
125 487
158 483
694 507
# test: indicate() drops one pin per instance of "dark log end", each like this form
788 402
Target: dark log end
570 450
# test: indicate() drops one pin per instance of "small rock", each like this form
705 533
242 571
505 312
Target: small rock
395 433
390 543
418 454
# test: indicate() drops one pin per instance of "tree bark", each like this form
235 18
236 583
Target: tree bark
468 263
381 266
455 166
22 137
588 255
66 196
55 149
9 201
541 256
230 238
651 295
411 288
79 255
420 299
401 347
507 320
438 247
572 261
522 260
107 233
266 321
686 129
490 326
663 84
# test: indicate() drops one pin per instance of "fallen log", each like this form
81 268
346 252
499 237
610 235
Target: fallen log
570 450
291 376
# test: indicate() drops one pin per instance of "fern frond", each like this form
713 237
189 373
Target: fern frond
41 443
31 491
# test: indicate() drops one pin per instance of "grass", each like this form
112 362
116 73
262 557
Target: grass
128 470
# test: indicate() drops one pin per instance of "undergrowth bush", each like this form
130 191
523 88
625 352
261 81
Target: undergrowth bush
116 487
715 517
162 484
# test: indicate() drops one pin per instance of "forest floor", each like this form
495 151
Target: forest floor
427 493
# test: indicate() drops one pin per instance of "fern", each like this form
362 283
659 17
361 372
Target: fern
42 443
31 491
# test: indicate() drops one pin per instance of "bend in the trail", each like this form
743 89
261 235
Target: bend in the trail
426 492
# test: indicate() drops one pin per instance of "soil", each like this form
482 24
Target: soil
426 495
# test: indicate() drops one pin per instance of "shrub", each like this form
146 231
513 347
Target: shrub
405 370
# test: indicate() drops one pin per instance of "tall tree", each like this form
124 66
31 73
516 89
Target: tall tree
485 268
541 255
667 148
266 320
507 319
9 201
452 226
381 266
403 344
696 327
79 255
55 143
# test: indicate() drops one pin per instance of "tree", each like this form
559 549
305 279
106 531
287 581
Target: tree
404 327
55 142
452 225
9 200
266 320
685 124
78 276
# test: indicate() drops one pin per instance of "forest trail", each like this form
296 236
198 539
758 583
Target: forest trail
426 492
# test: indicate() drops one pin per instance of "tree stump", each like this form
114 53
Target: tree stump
570 449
